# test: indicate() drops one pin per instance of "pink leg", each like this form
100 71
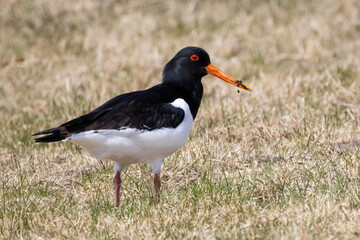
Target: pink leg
117 185
157 185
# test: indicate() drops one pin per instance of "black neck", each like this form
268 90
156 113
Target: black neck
191 94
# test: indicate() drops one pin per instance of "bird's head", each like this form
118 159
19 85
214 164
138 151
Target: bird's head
190 64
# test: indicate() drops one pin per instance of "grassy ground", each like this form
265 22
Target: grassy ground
281 162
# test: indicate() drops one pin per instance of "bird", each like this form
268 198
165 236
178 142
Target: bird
144 126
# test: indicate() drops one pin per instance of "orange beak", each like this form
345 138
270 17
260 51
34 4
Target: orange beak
220 74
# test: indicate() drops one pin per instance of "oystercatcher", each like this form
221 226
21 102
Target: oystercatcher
144 126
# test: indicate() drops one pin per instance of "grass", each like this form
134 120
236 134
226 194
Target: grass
281 162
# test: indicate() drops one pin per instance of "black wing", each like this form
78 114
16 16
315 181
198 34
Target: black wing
144 110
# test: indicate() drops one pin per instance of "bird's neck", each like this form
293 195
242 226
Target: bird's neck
191 94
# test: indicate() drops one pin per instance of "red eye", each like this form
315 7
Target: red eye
194 57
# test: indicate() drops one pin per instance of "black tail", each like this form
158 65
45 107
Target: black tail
52 135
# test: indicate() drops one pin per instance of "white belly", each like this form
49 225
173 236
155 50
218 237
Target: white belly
130 145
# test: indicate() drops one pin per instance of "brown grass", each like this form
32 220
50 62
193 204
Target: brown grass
257 165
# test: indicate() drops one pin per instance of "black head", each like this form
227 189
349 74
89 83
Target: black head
185 70
187 67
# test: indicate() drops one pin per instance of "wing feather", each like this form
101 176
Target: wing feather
145 110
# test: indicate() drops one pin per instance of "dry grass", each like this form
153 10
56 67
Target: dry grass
279 163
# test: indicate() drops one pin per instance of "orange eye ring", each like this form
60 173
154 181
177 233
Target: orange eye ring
194 57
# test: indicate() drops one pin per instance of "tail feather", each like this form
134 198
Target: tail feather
50 138
52 135
48 131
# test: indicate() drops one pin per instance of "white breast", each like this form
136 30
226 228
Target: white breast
127 146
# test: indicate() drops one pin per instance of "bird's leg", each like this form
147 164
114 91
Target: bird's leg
117 185
157 185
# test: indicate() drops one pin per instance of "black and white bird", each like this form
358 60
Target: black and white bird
144 126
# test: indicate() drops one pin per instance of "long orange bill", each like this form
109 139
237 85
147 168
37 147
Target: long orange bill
220 74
